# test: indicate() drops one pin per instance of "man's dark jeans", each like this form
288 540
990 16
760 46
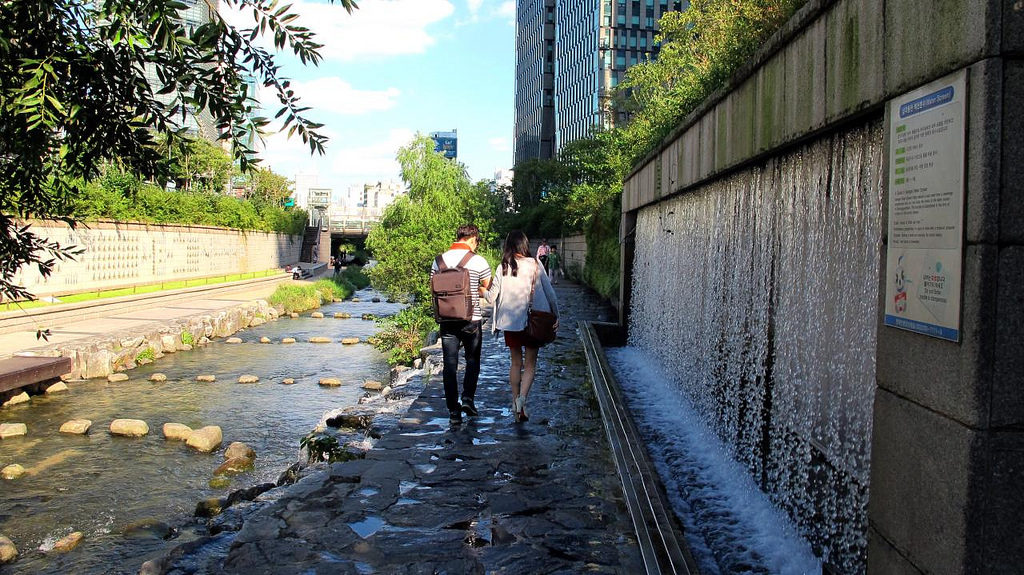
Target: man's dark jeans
468 334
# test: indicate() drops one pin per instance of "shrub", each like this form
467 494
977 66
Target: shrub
187 338
147 354
321 446
404 334
354 276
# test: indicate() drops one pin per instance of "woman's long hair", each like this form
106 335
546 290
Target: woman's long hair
515 243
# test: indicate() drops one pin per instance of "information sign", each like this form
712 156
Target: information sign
926 200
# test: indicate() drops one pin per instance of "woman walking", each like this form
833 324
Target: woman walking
520 278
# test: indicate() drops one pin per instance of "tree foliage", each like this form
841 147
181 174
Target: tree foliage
421 224
700 49
414 230
74 95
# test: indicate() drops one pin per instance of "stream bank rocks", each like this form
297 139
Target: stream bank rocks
105 355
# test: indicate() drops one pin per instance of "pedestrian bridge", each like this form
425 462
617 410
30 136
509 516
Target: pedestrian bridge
351 227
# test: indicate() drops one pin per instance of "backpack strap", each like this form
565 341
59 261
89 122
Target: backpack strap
441 266
465 259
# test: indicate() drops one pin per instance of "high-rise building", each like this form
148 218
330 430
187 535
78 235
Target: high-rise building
592 43
593 54
201 124
535 79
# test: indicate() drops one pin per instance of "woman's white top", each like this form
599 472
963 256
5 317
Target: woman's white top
511 295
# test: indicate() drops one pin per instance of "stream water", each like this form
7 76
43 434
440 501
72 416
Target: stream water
106 486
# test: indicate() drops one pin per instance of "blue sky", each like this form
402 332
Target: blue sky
394 68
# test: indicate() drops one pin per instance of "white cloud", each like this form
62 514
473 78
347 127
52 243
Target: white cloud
474 5
500 144
334 95
346 163
507 10
377 28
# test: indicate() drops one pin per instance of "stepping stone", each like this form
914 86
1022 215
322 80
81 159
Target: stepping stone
129 427
76 426
206 378
373 385
8 552
233 340
9 430
248 379
265 340
177 431
57 387
316 315
206 439
68 543
319 339
349 340
288 340
342 315
115 377
12 471
288 381
17 399
330 381
158 377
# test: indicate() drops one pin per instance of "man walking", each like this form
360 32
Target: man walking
463 332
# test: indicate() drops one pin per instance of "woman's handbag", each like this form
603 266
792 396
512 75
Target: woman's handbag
540 325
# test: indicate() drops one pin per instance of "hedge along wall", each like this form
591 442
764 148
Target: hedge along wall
121 254
946 442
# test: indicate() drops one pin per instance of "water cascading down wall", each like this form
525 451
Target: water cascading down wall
754 267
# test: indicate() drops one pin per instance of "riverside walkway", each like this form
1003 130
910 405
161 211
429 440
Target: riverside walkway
104 317
489 496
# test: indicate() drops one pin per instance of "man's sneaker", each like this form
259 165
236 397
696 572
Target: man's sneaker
468 407
455 417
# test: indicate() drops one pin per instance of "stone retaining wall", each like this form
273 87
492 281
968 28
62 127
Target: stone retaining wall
947 446
101 356
124 254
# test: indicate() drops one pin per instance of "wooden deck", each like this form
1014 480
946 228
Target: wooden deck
20 371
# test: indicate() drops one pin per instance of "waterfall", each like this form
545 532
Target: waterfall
760 290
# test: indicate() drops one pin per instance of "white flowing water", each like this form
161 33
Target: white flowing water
760 291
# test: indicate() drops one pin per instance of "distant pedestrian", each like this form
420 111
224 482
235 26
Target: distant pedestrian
542 254
520 278
466 333
554 265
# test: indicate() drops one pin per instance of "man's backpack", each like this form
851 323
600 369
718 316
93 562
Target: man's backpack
451 290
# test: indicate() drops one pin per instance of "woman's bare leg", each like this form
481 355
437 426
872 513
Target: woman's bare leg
529 371
515 369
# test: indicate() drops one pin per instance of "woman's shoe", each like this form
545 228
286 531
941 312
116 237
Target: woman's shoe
517 409
522 409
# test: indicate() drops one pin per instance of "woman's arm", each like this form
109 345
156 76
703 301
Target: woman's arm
549 292
492 292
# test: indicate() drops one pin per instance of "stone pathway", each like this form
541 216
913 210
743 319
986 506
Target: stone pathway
489 496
